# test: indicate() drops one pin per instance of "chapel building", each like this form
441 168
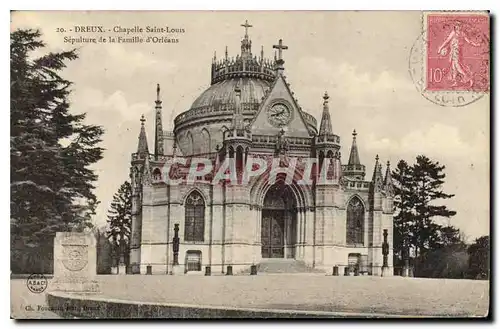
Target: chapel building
249 110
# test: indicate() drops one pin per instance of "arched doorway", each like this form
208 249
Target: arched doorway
279 223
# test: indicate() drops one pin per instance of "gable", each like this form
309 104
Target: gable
279 93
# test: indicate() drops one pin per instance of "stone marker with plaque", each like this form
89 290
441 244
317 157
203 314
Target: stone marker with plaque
75 263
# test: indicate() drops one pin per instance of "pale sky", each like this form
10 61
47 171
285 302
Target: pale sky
360 58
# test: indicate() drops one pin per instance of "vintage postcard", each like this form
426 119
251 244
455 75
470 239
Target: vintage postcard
250 164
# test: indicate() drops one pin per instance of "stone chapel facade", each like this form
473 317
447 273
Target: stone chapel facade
250 110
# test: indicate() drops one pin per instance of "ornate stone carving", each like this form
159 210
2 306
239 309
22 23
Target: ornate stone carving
75 257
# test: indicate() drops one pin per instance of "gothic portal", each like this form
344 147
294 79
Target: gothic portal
250 112
279 223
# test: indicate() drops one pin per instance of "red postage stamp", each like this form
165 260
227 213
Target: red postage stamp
457 52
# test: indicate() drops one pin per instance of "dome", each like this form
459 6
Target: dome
200 129
222 92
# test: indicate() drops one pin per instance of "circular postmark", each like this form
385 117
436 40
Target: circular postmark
437 71
36 283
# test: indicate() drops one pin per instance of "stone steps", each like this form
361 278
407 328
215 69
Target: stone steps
277 265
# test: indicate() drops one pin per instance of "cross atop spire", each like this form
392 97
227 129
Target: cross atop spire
158 101
246 26
280 46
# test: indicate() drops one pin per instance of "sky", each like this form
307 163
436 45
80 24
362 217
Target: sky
359 58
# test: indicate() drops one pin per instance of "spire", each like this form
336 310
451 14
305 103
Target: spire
354 156
226 55
142 147
261 53
388 180
325 127
377 173
388 177
158 125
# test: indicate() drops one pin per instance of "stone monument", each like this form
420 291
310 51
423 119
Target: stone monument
75 263
385 252
175 246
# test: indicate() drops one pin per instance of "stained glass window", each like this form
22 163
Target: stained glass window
194 228
355 222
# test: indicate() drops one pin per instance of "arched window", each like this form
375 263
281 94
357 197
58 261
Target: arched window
223 130
194 225
206 147
189 144
156 174
355 222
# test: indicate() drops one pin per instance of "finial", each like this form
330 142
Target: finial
157 91
388 163
226 52
142 120
326 97
376 158
354 133
261 52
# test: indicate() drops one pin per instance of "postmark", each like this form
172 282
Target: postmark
36 283
450 60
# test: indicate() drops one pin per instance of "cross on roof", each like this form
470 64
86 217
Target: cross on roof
246 26
280 48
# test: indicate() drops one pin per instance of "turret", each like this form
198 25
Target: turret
238 138
354 167
327 144
245 65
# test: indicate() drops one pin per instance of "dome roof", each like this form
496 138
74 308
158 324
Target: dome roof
222 92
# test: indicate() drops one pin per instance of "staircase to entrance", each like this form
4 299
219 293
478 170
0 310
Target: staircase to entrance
283 265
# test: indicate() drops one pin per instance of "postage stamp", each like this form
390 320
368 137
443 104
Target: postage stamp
458 52
450 60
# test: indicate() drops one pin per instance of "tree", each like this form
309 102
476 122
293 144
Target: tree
120 221
479 258
103 251
404 207
51 151
428 178
418 190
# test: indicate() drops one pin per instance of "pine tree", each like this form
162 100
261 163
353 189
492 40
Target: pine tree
120 221
403 203
51 151
418 189
428 178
